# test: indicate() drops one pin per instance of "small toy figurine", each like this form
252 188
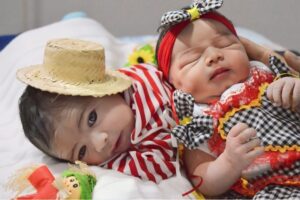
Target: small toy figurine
77 182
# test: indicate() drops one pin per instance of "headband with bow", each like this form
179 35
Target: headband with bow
173 22
198 8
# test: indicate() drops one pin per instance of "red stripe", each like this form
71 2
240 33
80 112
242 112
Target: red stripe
133 169
152 136
158 121
163 144
122 164
147 97
139 103
170 166
158 93
155 164
144 168
143 67
151 81
167 137
152 146
157 168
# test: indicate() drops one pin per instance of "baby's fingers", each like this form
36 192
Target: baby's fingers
274 92
250 145
246 135
287 92
254 153
296 96
237 129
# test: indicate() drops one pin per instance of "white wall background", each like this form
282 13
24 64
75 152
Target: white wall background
279 20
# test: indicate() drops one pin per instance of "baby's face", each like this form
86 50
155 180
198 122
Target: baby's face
95 132
207 59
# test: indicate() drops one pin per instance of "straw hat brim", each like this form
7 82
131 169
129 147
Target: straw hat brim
113 83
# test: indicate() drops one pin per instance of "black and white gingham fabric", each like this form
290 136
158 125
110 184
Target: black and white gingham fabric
277 66
279 192
275 126
203 6
184 104
198 130
273 191
270 192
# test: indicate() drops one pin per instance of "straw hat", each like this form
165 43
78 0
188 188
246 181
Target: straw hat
74 67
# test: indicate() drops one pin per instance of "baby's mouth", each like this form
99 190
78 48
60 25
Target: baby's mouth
218 72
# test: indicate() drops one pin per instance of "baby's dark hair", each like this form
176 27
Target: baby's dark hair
40 111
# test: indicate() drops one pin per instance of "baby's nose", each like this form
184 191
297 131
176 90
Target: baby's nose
213 56
99 140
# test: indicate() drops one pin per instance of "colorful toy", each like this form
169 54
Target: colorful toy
77 182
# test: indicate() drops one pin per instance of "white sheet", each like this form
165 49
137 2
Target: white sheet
17 152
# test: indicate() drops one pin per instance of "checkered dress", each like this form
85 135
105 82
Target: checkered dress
278 129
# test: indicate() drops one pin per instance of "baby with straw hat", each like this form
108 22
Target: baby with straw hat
75 109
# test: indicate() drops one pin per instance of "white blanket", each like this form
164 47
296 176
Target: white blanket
16 152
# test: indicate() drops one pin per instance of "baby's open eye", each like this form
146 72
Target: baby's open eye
92 118
81 153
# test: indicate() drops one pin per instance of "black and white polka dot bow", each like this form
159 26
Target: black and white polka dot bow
198 8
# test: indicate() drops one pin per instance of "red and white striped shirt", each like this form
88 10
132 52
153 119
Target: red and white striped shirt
151 156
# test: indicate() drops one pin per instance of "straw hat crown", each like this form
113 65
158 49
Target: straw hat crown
74 67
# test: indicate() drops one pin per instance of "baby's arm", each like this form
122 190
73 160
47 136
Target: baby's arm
221 173
262 54
285 92
292 60
258 52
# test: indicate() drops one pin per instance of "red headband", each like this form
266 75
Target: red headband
166 45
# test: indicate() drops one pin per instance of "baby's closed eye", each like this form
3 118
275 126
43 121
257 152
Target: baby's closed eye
192 59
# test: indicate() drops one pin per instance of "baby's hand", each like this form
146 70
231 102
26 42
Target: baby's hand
285 92
242 146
